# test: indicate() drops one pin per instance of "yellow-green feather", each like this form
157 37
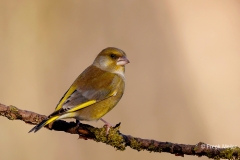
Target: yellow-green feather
83 105
65 97
43 123
52 119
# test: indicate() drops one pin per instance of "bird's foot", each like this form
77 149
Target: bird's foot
78 122
107 125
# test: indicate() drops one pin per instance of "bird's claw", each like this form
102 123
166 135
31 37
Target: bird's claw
107 125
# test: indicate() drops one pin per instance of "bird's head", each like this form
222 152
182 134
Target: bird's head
112 59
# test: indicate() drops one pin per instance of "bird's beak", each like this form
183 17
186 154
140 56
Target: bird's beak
122 61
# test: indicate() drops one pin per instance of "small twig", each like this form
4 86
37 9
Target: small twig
119 140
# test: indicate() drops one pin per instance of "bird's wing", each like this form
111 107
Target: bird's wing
87 90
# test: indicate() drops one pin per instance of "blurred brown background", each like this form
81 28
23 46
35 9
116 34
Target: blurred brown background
182 85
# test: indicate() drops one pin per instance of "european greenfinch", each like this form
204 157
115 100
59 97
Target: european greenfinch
95 91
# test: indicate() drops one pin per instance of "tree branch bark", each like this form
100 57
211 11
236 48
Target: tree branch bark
121 141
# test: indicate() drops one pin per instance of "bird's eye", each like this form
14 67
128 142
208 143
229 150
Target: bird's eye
113 56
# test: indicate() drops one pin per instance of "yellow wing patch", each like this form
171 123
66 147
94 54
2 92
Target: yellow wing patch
83 105
113 93
65 97
80 106
51 120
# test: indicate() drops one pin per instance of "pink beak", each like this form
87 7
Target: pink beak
122 61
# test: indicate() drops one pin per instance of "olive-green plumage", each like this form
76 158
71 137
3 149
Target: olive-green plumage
95 91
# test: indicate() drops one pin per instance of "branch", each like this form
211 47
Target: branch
119 140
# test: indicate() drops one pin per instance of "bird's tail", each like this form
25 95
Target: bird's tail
43 123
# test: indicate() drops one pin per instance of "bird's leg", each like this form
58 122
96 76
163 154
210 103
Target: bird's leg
108 125
78 122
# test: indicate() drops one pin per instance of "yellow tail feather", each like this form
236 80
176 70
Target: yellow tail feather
43 123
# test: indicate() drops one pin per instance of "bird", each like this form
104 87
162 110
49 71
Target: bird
95 92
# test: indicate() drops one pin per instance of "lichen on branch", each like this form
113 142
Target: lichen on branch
118 140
